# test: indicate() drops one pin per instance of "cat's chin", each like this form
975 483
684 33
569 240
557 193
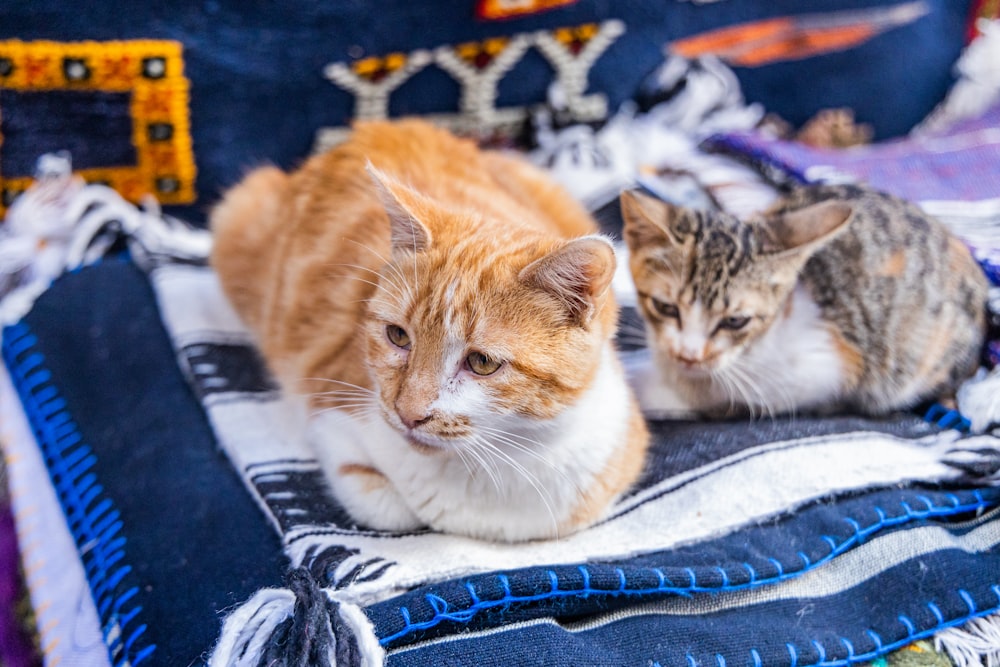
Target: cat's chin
427 445
695 371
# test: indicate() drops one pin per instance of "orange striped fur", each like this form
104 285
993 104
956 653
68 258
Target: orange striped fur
406 230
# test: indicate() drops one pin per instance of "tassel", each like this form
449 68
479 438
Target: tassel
298 626
976 644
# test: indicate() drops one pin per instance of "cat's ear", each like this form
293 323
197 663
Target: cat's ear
402 205
648 220
807 229
796 235
578 274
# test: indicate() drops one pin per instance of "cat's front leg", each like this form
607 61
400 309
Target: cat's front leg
358 484
659 397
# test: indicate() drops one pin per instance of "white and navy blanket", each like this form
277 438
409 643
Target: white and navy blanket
743 543
800 541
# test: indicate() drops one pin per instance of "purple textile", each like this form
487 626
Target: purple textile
961 164
15 650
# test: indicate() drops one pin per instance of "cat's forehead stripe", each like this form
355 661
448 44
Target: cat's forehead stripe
722 249
449 305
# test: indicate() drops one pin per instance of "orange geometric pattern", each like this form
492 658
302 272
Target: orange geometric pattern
152 72
503 9
796 37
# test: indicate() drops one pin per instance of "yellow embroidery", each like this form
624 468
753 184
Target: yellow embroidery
376 68
152 71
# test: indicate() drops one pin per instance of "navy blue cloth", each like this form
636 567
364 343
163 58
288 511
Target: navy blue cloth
751 559
258 93
195 544
34 123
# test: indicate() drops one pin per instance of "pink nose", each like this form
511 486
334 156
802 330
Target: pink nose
688 360
412 419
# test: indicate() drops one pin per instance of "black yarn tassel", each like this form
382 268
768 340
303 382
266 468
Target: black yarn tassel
305 639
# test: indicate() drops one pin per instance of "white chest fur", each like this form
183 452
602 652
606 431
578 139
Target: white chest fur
527 487
794 366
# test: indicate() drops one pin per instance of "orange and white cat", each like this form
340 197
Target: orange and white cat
446 313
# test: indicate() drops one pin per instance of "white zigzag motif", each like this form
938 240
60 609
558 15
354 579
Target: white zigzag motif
478 111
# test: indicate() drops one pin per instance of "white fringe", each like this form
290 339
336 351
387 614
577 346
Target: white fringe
61 224
247 629
976 644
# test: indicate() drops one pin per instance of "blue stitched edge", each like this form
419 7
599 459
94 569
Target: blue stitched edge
442 613
882 649
946 418
90 516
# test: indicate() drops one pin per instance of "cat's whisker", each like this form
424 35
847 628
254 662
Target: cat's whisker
505 437
345 413
335 400
388 278
755 396
746 393
340 382
462 456
510 434
727 387
377 286
475 450
770 387
760 387
344 392
389 265
347 400
530 478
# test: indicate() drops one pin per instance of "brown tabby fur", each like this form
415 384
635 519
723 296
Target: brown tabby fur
901 302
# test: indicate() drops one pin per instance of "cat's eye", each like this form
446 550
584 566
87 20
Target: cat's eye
664 309
398 336
734 323
480 364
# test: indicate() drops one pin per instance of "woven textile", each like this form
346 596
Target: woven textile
957 164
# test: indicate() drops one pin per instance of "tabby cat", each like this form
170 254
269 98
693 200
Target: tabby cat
839 298
445 312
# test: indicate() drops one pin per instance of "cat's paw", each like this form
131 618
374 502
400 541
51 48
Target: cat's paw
371 499
358 484
658 398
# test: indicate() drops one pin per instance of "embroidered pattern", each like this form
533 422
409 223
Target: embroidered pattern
492 10
479 67
142 83
90 514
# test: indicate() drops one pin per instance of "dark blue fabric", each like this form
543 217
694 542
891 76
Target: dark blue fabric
258 93
92 518
781 632
95 127
751 558
196 543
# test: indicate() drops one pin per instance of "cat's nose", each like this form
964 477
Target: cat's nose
689 359
413 419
